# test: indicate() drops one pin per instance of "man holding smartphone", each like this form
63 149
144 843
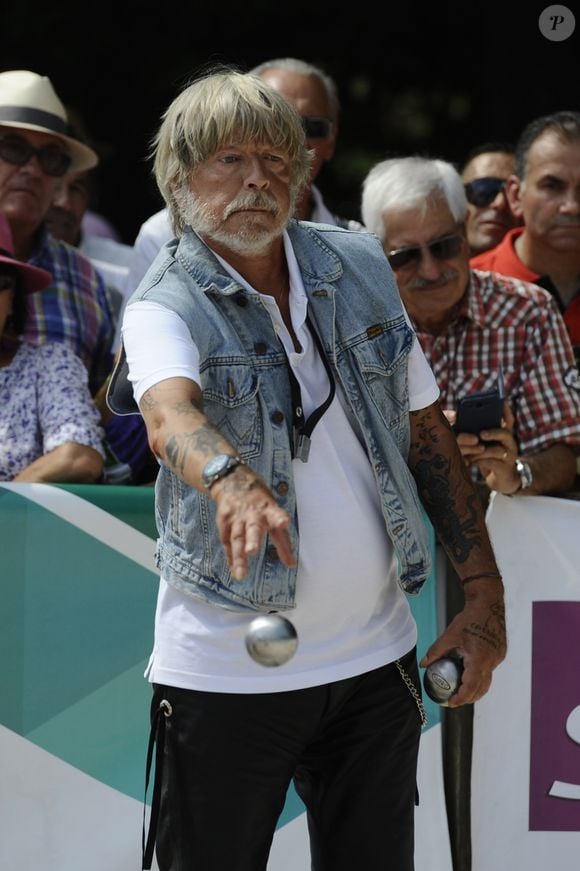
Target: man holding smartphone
475 325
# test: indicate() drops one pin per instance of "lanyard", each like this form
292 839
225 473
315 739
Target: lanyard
302 429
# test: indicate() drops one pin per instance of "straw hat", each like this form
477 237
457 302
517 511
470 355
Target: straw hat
29 101
32 277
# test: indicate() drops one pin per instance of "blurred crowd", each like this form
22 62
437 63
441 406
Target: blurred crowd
486 256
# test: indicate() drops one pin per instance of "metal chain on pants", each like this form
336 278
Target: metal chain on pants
414 692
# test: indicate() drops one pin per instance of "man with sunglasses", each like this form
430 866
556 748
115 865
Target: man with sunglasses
36 153
314 95
489 215
475 326
544 192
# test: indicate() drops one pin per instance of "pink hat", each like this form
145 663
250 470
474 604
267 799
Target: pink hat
33 278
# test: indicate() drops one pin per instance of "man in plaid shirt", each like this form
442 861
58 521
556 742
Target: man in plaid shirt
36 153
476 327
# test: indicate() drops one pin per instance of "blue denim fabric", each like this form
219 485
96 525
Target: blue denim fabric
355 305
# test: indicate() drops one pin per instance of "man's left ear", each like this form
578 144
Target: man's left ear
513 187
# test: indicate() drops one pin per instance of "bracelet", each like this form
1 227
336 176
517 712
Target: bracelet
469 578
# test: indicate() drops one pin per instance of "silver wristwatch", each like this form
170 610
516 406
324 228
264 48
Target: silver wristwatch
218 467
525 473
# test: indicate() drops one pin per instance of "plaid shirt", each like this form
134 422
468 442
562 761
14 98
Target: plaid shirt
508 323
75 309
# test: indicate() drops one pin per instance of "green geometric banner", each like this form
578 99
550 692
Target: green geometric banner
79 589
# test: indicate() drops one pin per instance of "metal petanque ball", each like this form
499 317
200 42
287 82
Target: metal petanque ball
271 640
442 679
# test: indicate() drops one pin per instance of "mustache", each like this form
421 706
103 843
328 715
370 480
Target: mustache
422 283
255 200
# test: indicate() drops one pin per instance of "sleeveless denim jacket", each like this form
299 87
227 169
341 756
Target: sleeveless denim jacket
355 306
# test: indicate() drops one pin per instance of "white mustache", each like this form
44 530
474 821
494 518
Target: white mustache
420 283
258 200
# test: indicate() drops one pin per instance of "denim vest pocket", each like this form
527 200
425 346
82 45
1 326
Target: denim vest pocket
380 355
230 401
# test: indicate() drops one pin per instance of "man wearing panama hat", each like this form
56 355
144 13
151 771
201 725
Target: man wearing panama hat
36 152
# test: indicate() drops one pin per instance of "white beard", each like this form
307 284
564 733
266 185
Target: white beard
252 238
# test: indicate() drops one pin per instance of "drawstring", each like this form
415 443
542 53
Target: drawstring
156 737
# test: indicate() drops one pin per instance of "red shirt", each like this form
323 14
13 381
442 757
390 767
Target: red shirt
507 323
503 259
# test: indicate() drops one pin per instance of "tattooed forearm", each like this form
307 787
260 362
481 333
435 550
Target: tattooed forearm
458 530
206 441
444 485
492 632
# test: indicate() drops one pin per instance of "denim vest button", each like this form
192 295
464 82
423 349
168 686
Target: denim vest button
277 417
272 553
260 348
241 299
282 488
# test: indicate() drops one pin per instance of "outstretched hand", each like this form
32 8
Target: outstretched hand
246 512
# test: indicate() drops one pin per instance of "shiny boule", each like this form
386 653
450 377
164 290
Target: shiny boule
442 679
271 640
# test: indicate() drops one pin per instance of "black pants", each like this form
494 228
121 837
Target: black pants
350 747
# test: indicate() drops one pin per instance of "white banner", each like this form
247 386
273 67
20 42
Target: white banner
526 747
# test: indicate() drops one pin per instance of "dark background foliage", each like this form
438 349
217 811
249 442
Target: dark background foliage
433 79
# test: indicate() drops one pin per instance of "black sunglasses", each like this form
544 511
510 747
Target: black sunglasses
52 159
482 191
443 249
316 128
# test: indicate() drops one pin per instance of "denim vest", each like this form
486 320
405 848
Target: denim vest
355 306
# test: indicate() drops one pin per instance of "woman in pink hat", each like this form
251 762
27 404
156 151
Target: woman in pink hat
49 426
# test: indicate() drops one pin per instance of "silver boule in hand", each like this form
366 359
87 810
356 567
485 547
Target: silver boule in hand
443 678
271 640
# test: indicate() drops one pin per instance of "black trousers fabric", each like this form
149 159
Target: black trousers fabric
351 748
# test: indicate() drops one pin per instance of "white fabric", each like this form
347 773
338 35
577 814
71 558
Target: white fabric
44 403
525 783
351 615
153 233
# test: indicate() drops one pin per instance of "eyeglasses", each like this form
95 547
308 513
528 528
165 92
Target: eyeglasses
53 160
482 191
442 249
7 282
316 128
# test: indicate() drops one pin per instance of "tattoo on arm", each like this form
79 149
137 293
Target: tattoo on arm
206 441
492 632
457 520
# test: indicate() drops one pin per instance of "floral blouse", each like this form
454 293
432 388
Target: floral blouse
44 402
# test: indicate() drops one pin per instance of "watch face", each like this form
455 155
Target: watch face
217 467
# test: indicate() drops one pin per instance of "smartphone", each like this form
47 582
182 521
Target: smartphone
481 410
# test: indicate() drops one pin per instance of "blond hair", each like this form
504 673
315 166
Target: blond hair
217 109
